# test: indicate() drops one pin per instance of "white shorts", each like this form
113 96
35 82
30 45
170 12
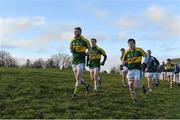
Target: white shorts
96 69
163 73
169 73
158 75
79 67
134 74
124 71
152 75
177 74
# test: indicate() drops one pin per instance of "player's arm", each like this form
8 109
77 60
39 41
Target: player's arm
87 60
71 47
157 62
143 53
145 56
123 60
104 55
104 60
87 42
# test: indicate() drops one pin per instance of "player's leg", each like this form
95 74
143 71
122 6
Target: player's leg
157 77
163 75
95 79
166 76
149 79
175 77
130 77
91 71
80 69
124 73
179 78
98 78
78 82
92 76
171 80
132 90
121 76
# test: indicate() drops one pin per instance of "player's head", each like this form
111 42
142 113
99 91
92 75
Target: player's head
77 32
168 60
93 42
149 52
131 43
122 50
163 63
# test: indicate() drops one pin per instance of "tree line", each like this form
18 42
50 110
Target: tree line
59 60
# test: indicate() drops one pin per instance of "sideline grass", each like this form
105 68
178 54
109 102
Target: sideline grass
46 93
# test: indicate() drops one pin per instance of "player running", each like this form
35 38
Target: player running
94 62
163 71
124 71
133 58
78 46
176 73
169 69
151 70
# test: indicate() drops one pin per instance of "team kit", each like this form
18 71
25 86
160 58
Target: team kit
132 67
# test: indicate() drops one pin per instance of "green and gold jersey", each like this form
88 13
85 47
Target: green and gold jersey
94 54
169 67
78 48
133 58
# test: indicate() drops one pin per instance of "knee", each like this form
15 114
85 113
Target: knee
78 83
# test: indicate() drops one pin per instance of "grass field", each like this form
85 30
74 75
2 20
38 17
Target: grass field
46 93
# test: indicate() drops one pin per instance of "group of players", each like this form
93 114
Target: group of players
131 65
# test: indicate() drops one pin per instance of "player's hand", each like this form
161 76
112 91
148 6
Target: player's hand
121 67
72 50
144 66
102 63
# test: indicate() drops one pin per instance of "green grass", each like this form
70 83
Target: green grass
46 93
176 60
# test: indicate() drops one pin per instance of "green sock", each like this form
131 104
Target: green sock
75 90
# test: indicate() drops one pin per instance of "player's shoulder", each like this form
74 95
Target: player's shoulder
152 57
84 39
126 51
139 49
100 49
73 39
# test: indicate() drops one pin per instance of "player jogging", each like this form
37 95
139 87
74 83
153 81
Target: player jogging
94 62
133 58
124 71
151 70
78 46
169 69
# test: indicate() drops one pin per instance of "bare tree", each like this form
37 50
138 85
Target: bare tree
114 70
6 60
61 60
40 63
49 63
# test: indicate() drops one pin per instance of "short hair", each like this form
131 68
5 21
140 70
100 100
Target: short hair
94 39
149 50
131 39
168 59
78 28
122 49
